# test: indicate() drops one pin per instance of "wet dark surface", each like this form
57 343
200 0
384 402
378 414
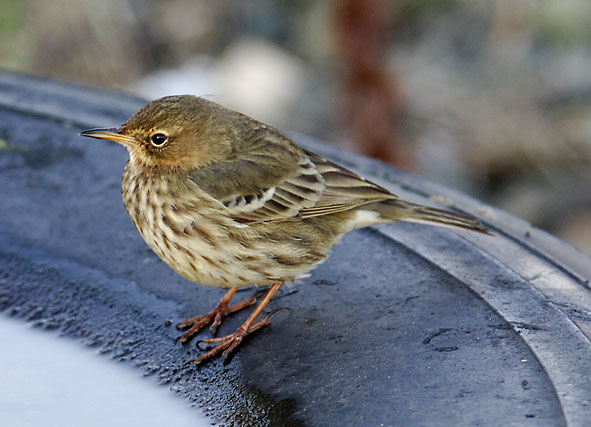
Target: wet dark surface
381 333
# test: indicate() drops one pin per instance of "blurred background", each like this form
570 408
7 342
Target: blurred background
492 97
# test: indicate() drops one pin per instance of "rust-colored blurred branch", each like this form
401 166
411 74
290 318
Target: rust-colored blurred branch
372 99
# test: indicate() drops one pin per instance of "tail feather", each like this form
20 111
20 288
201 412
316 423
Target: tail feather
399 210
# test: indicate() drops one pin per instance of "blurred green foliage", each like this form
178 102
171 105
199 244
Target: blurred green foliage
15 49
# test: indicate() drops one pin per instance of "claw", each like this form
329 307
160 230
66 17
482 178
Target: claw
277 310
195 324
229 343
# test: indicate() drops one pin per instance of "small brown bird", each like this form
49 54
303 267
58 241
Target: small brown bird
228 201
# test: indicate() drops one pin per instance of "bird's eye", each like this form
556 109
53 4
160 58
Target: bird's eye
158 139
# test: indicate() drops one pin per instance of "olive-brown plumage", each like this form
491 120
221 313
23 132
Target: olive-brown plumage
228 201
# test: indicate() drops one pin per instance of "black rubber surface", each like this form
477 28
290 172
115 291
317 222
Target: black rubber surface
403 325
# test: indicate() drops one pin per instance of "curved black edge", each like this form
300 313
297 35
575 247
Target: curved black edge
560 342
545 281
544 264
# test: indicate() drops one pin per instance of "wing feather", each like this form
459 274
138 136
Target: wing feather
275 180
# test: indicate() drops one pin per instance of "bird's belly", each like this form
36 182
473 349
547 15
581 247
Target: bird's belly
203 254
206 252
206 247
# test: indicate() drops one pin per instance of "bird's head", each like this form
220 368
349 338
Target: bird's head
181 131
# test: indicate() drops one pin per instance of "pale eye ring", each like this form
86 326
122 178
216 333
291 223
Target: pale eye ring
158 139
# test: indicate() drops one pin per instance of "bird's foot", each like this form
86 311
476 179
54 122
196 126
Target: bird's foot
228 343
215 316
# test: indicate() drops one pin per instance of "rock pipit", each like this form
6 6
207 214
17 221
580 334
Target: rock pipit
228 201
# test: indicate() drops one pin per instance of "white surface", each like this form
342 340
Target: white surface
50 381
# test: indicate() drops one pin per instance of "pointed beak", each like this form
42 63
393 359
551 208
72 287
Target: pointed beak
112 134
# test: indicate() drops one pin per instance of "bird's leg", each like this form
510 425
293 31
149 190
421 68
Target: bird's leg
229 343
214 316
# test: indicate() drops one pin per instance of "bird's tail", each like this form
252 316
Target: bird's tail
399 210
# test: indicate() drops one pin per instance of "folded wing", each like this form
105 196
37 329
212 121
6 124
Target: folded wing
275 180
